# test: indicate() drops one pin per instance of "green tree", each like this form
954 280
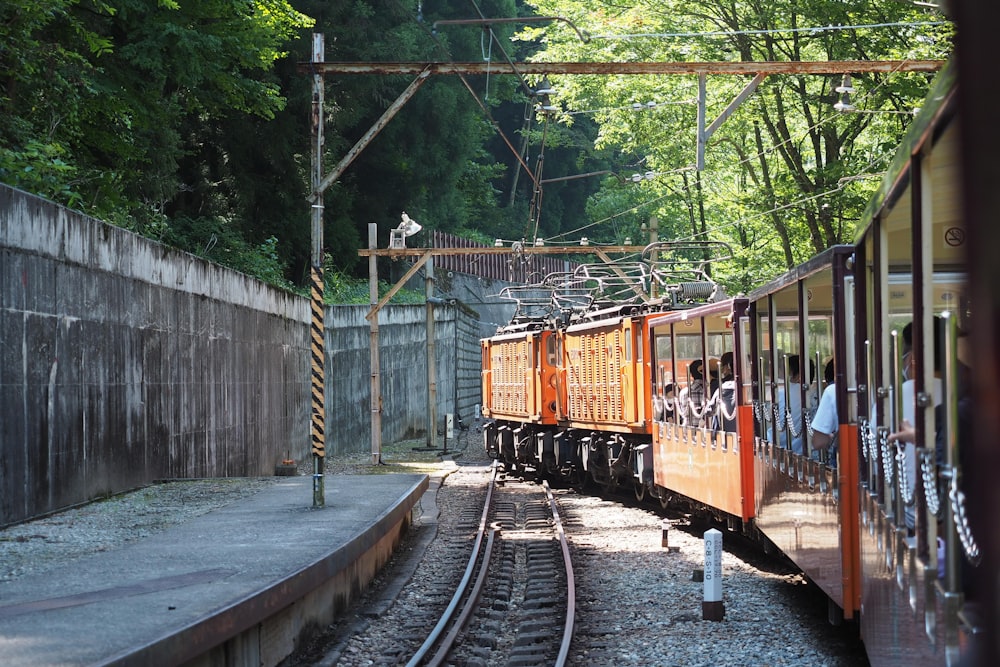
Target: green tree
773 182
108 106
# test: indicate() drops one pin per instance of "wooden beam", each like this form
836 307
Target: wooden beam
506 250
730 68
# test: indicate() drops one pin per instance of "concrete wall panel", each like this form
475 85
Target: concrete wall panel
123 362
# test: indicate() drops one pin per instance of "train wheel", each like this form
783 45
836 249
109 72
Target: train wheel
664 498
579 479
640 491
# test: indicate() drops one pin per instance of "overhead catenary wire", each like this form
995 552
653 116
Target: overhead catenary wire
769 31
482 105
746 160
771 149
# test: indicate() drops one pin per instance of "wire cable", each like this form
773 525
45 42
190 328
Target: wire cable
772 31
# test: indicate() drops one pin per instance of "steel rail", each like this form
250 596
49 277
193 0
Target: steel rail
567 637
471 602
434 636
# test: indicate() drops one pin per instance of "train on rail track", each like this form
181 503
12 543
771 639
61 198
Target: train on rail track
772 411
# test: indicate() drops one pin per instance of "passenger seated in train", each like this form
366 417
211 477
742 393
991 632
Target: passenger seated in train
826 424
791 411
722 406
691 399
664 403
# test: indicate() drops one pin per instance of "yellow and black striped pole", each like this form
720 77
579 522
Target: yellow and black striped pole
318 426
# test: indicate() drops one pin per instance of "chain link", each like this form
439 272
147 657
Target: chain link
887 466
962 523
686 407
868 440
928 470
722 407
905 490
781 420
797 432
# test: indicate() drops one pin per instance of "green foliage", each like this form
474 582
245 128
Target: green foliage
217 240
772 185
188 122
40 168
340 288
102 102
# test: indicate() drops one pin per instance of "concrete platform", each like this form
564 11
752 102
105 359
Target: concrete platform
233 587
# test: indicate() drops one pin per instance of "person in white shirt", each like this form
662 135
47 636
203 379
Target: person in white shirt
794 425
825 423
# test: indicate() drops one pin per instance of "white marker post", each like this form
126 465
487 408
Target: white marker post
712 608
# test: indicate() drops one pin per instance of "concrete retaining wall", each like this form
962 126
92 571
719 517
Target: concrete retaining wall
123 361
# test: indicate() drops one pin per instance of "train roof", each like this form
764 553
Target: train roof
804 270
726 306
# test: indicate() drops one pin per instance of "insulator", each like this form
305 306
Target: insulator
698 290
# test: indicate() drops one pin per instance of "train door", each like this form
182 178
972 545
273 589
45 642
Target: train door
632 376
485 377
639 399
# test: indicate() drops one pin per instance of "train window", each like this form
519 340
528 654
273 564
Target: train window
663 354
789 389
743 373
949 291
550 350
764 407
689 349
663 375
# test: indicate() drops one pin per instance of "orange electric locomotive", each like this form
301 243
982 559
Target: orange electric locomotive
569 385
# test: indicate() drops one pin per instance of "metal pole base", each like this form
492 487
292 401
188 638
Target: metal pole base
319 491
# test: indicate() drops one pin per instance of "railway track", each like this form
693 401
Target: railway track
634 601
494 585
515 602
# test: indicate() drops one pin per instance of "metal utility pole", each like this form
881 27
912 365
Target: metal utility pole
316 277
431 357
320 183
654 237
373 347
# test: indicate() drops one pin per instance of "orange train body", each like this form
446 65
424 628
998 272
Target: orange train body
611 398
